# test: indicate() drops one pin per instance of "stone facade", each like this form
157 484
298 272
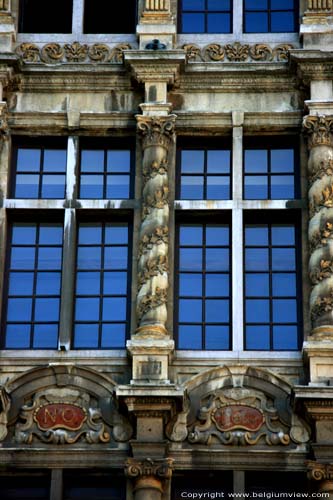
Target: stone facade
149 412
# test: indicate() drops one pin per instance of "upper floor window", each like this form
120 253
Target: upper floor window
40 170
270 16
205 173
270 170
105 173
105 16
206 16
34 282
36 16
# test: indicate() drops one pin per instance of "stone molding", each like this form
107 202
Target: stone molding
237 52
55 53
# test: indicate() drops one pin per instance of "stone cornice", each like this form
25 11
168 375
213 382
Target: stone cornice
156 66
312 64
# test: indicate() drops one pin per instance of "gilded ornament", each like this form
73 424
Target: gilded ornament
319 471
152 301
281 52
156 131
159 199
52 53
28 52
156 168
321 238
237 52
324 168
75 52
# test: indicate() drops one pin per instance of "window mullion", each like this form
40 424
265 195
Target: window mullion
71 168
77 20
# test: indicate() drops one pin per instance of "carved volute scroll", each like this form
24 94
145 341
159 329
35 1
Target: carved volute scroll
321 473
320 170
149 476
157 134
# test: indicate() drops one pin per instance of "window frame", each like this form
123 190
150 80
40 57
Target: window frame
269 11
206 11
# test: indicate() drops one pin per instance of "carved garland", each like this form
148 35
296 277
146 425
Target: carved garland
54 53
237 52
157 136
319 130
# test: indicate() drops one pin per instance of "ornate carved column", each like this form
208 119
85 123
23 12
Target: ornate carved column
320 170
156 21
149 477
323 473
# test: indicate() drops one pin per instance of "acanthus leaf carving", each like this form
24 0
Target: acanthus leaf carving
325 270
156 131
159 199
152 301
322 305
153 267
159 236
319 129
117 53
75 52
237 52
323 169
322 238
193 52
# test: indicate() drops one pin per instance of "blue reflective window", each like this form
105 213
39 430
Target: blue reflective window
33 304
105 173
101 317
40 172
205 174
205 16
270 16
270 174
271 287
204 287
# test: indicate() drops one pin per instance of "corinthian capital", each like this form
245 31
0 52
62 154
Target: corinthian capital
320 472
161 468
319 130
156 131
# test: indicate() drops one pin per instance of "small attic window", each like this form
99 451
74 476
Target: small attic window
36 16
103 16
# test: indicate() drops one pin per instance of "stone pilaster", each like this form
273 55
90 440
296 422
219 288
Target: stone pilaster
7 27
317 24
156 22
321 473
149 477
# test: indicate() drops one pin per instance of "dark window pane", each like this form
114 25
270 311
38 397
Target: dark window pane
257 285
282 160
88 283
217 311
19 310
47 309
45 337
26 186
285 337
257 311
218 23
255 187
218 188
217 337
86 336
284 311
217 235
90 234
28 160
256 4
17 336
190 235
256 259
55 160
283 259
193 4
22 258
53 186
91 186
189 336
192 161
50 235
284 284
217 285
115 258
89 258
257 337
48 283
21 283
193 23
117 186
256 235
282 187
190 311
255 161
283 235
218 4
256 22
24 234
87 309
118 161
49 258
92 161
113 336
35 17
116 234
282 4
107 21
192 188
218 161
115 283
190 284
217 259
282 22
114 309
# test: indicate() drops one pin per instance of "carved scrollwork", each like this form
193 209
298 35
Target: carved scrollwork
281 52
319 471
161 468
117 53
214 52
193 52
28 52
99 52
152 301
319 130
52 53
261 52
